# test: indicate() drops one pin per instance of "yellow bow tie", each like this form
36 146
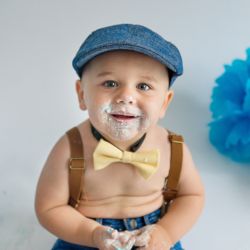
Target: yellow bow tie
106 153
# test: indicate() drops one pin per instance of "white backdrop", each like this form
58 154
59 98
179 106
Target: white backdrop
38 102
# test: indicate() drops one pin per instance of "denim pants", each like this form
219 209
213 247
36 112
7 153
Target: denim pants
120 225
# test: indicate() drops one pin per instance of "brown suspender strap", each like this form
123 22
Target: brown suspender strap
171 189
76 166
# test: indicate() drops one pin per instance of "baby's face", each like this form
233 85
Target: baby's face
125 93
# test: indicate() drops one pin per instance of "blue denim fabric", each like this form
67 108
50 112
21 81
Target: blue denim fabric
129 37
120 225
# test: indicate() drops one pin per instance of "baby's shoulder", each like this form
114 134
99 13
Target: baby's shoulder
163 135
60 152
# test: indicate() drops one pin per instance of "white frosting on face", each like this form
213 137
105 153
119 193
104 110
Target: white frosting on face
122 129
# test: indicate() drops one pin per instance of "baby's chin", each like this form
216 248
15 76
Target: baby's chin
122 135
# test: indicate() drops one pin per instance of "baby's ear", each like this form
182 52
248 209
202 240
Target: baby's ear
168 98
80 94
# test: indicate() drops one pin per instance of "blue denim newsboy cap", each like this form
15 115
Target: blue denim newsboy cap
131 37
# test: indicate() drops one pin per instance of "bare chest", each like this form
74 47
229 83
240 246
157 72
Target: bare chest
122 180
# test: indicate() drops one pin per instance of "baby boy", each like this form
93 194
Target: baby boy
125 76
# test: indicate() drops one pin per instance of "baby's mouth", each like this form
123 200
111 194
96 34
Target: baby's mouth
123 117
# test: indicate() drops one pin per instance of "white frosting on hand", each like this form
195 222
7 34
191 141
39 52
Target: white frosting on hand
143 236
127 239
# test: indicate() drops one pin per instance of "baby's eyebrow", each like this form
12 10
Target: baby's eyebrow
105 73
149 78
145 77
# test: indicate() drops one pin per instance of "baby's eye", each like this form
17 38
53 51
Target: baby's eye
110 84
143 86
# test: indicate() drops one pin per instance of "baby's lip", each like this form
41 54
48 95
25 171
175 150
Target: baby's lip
121 116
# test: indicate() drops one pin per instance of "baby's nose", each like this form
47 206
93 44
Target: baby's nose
125 100
126 96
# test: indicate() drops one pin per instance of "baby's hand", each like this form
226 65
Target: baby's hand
103 237
142 236
107 238
152 237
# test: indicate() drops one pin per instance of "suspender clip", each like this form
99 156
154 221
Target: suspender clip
175 138
79 163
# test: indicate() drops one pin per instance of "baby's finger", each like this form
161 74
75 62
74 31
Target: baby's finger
135 232
128 246
142 239
111 233
108 243
124 236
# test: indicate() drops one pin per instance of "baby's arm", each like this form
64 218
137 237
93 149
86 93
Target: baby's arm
183 211
51 201
186 208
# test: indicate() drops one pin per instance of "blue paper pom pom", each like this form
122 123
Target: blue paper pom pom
230 106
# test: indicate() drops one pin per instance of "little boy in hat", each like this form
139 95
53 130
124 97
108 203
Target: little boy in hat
128 161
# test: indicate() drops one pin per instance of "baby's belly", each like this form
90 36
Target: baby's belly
121 206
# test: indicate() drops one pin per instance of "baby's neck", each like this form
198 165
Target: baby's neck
128 145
